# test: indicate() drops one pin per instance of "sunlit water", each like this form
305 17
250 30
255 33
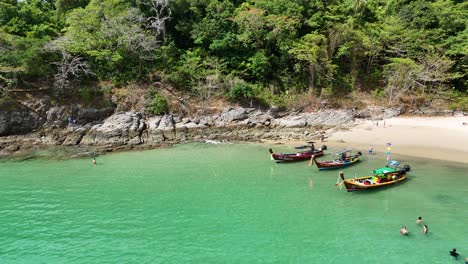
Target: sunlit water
202 203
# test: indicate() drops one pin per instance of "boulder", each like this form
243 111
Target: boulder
20 121
230 115
329 118
166 123
290 121
119 129
89 115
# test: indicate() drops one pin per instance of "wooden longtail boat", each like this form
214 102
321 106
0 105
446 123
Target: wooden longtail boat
298 156
345 160
376 180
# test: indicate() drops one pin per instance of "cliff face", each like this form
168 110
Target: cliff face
28 127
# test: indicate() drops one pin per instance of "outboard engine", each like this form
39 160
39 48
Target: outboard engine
324 147
359 153
406 168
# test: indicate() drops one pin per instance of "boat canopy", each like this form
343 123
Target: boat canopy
342 151
382 171
393 163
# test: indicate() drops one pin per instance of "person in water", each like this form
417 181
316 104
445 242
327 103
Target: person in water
419 220
454 253
94 161
388 151
404 231
425 229
371 150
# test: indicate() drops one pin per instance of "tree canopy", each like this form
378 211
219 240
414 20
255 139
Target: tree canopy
241 48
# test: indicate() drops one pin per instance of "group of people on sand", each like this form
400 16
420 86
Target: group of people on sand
404 231
388 150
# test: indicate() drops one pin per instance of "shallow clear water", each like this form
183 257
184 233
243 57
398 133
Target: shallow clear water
202 203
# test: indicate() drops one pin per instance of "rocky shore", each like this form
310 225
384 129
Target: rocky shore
96 131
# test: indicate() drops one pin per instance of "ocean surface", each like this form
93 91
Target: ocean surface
225 203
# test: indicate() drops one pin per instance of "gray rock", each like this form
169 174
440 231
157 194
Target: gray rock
57 116
20 121
153 122
230 115
259 118
290 121
89 115
167 123
118 129
329 118
273 111
391 112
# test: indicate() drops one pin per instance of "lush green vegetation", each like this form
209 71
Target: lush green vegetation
251 51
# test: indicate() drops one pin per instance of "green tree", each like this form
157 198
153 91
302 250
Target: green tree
311 55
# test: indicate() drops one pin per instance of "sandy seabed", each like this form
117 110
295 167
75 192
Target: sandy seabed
442 138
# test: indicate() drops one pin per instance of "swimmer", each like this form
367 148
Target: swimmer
454 253
425 229
419 220
94 161
404 231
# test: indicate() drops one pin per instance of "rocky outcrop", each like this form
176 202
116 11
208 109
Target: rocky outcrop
126 130
19 121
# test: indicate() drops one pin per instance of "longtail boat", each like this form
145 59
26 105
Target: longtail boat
385 178
347 158
298 156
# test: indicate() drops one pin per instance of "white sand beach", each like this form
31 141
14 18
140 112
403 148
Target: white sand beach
443 138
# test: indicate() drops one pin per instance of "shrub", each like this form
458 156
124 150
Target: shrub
241 91
158 105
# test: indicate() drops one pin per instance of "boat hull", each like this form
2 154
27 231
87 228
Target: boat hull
358 184
292 157
335 164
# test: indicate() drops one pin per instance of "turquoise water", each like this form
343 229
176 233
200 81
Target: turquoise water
202 203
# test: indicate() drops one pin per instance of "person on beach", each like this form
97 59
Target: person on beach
425 229
94 161
419 220
454 253
322 137
404 231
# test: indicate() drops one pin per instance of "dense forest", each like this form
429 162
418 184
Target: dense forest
262 52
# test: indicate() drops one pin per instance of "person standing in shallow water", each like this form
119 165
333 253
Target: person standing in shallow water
94 161
425 229
388 151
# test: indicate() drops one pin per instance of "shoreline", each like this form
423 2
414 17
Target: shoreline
438 138
441 138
